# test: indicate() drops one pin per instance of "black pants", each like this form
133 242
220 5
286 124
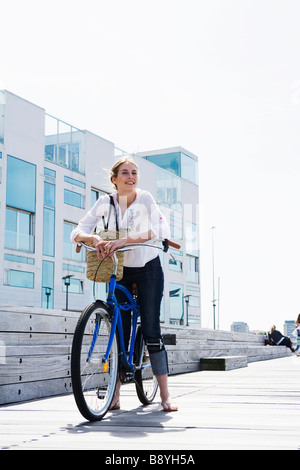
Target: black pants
150 284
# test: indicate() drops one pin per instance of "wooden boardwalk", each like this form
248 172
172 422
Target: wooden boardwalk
255 407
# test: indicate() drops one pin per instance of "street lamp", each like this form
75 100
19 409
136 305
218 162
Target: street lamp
213 275
67 284
187 301
48 293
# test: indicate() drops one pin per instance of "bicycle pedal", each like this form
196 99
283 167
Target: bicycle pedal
101 394
146 358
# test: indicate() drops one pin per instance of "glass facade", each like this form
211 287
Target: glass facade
69 252
178 163
19 230
64 144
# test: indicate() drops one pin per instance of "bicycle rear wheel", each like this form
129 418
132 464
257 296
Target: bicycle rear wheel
145 381
93 386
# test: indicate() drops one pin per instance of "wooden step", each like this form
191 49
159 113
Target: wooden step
223 363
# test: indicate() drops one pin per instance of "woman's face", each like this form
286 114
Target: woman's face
127 178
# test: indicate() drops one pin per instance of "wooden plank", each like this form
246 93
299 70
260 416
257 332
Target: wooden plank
34 368
34 339
33 390
34 323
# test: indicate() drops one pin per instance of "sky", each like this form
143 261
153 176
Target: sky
220 78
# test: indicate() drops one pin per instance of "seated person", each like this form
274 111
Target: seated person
275 338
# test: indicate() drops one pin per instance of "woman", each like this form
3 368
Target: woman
137 212
275 338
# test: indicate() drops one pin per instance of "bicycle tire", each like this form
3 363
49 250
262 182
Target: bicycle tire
145 381
92 387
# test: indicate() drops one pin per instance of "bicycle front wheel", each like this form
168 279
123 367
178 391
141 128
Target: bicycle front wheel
93 382
145 381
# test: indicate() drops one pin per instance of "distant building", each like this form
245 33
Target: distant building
240 327
289 326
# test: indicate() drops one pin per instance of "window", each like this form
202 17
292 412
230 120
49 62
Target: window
73 267
175 265
176 225
75 287
50 173
16 278
192 238
21 184
176 302
73 199
169 190
189 168
49 194
19 230
48 232
81 184
48 285
69 251
192 269
18 259
194 301
167 161
49 215
95 194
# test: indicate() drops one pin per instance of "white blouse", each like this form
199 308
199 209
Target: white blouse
140 217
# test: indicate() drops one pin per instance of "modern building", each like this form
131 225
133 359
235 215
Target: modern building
51 173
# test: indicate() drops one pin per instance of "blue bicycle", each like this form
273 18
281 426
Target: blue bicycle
99 358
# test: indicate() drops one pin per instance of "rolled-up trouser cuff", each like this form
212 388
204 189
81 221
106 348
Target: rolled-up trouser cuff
159 362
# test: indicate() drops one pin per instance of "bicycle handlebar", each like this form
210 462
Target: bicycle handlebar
166 243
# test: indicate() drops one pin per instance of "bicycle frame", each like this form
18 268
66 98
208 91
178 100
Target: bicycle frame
117 319
117 323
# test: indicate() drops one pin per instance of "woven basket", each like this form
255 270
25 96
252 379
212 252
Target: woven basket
98 270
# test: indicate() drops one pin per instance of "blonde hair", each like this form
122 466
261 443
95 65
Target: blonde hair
273 329
115 169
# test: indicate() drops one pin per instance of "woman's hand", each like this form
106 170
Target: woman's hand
107 247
